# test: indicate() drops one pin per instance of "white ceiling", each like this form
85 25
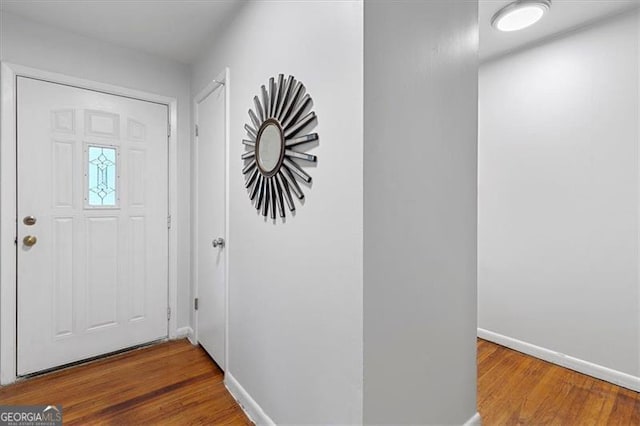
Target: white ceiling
564 15
173 29
179 29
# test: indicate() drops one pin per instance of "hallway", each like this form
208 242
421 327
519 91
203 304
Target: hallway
332 199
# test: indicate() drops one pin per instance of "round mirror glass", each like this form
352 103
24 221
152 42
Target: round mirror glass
270 146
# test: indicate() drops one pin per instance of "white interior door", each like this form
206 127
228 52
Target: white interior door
210 219
92 176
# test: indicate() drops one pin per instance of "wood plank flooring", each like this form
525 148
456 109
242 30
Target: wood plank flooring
169 383
516 389
176 383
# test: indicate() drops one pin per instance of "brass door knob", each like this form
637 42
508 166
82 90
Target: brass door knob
29 240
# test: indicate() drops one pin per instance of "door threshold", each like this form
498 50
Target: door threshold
91 359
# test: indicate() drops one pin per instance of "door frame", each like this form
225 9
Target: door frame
8 206
221 81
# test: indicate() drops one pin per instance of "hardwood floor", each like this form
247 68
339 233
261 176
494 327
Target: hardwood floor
169 383
516 389
176 383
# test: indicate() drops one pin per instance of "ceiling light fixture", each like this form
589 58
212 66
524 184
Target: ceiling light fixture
520 14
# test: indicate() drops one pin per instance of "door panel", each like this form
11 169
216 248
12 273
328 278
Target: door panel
93 171
211 224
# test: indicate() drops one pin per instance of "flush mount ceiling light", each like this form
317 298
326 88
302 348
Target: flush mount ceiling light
520 14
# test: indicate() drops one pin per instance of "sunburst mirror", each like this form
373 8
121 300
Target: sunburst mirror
280 123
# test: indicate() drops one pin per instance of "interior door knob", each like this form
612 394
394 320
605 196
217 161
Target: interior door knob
29 240
218 242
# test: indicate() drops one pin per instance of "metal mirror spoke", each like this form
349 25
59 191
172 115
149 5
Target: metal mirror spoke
277 129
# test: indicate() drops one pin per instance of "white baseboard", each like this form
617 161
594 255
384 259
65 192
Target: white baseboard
192 338
247 403
581 366
475 420
183 332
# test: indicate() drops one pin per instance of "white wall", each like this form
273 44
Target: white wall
296 288
420 212
558 195
32 44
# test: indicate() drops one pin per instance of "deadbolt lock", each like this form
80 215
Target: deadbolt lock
29 220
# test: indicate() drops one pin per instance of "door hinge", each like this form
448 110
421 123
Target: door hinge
195 304
197 130
169 222
169 130
168 313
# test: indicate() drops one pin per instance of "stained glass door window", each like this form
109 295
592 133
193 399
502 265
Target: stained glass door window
102 176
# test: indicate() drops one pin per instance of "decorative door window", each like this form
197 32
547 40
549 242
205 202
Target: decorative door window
102 176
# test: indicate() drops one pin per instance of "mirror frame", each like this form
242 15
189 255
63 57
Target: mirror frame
285 104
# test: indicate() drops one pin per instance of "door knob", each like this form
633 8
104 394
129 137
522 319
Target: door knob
218 242
29 240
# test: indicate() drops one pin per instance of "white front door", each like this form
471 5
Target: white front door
210 117
92 223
